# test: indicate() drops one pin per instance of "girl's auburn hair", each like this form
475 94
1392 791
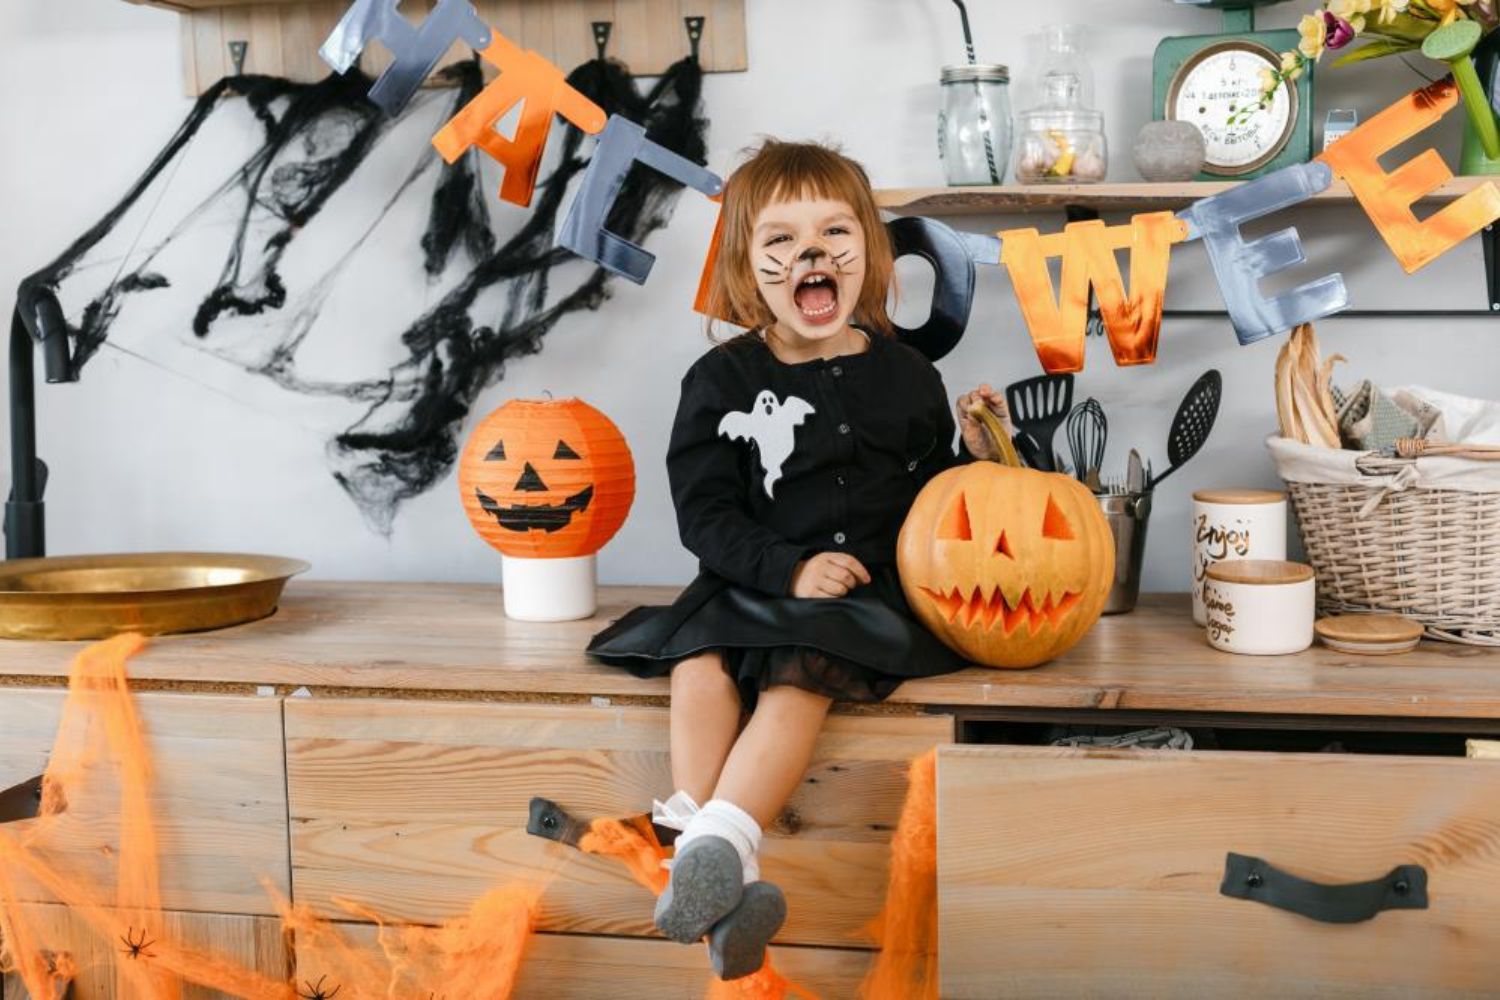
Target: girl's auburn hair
779 171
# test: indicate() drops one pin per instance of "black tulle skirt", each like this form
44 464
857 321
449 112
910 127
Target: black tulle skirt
855 648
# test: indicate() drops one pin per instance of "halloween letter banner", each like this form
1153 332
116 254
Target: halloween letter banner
1056 319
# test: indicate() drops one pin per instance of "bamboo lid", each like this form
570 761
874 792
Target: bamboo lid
1239 496
1375 634
1260 571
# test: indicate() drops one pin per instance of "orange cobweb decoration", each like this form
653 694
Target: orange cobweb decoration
633 843
906 929
475 956
100 728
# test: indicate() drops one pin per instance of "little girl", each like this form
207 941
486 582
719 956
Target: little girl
797 450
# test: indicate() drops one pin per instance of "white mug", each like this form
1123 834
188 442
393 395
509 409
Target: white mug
1262 607
1234 524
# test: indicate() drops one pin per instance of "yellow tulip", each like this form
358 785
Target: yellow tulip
1314 35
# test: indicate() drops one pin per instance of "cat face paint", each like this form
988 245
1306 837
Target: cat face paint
808 257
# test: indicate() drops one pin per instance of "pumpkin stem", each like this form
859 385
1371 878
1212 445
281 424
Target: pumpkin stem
990 421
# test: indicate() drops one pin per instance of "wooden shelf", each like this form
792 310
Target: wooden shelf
1012 198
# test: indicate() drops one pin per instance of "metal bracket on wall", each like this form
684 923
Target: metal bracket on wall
695 34
237 52
602 30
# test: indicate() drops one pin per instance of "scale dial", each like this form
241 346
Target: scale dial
1214 85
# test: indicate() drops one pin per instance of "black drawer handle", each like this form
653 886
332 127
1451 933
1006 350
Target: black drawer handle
21 801
1403 888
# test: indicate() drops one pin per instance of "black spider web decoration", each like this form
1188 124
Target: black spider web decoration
501 306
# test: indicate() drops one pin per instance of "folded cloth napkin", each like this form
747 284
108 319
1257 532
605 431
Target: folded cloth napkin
1370 420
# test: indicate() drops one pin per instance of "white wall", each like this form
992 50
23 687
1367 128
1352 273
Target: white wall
145 459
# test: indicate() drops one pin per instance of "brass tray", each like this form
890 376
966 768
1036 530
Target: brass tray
92 597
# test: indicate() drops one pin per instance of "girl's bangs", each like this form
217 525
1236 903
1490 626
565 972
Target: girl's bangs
804 176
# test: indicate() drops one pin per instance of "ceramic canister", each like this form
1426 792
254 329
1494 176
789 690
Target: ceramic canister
1264 607
1235 524
549 590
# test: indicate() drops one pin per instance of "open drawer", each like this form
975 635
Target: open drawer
1098 873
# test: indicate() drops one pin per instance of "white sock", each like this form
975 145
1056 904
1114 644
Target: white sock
722 818
676 812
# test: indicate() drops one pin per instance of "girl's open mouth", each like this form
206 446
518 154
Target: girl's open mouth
817 297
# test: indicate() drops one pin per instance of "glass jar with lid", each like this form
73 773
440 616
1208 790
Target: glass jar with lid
1062 139
974 126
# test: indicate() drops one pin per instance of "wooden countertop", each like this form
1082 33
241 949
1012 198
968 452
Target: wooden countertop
453 638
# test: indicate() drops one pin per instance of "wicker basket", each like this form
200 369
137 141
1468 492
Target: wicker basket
1430 554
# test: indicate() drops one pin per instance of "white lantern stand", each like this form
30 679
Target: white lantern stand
549 590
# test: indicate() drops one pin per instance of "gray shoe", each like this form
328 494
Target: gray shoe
737 944
707 882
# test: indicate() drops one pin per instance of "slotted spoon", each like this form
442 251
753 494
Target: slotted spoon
1038 406
1194 420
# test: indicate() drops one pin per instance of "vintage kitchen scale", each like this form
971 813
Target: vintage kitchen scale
1205 79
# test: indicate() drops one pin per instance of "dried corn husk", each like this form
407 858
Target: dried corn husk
1304 391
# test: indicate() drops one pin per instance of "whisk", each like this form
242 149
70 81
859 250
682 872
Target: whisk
1088 432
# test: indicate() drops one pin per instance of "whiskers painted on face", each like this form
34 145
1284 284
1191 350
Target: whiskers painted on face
842 262
777 276
781 273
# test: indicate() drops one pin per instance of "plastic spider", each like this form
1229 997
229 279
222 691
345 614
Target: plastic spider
134 948
315 990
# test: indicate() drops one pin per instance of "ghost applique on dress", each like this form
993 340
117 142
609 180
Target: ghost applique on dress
772 425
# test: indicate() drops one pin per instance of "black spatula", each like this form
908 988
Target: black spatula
1194 420
1038 406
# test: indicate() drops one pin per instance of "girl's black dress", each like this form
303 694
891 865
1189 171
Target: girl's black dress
771 463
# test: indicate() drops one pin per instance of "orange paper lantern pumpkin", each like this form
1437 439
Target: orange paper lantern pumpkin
547 479
1008 566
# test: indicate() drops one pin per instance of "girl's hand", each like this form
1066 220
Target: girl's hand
975 439
828 574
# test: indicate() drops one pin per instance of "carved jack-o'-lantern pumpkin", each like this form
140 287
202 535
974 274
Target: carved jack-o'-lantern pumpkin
546 479
1008 566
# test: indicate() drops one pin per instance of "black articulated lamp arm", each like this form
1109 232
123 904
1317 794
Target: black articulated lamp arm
38 319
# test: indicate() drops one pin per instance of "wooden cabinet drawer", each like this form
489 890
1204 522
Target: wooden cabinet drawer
218 796
417 808
1097 873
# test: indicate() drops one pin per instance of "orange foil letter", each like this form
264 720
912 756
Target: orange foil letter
1087 250
711 261
1387 197
524 77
